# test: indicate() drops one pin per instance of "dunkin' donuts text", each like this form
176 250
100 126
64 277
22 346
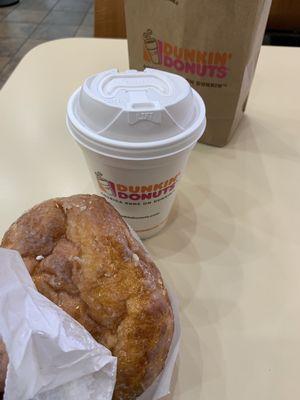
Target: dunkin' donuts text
201 63
134 193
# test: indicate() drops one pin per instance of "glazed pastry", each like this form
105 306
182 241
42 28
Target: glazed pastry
83 257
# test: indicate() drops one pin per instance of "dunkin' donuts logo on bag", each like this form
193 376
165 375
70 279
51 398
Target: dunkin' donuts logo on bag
135 193
212 64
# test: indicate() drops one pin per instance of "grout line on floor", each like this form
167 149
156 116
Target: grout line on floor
12 57
79 26
40 23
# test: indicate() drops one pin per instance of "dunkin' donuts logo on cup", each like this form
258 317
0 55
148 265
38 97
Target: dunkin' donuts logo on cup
212 64
147 194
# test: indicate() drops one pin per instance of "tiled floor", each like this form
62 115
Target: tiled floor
32 22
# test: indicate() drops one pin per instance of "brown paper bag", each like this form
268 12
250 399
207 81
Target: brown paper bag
214 44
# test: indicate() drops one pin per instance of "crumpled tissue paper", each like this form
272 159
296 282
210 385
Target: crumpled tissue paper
51 356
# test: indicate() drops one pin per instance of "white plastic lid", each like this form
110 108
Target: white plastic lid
136 114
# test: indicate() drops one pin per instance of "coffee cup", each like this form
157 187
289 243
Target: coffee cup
136 130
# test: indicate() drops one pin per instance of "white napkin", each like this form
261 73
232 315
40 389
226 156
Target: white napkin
51 355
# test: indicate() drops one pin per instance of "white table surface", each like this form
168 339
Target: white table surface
231 249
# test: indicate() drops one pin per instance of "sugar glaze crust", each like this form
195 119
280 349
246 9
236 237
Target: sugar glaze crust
82 256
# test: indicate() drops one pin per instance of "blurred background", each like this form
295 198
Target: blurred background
25 24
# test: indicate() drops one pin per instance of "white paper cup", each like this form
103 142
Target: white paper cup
136 130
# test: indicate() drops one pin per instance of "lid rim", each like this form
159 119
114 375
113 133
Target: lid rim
146 157
136 145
